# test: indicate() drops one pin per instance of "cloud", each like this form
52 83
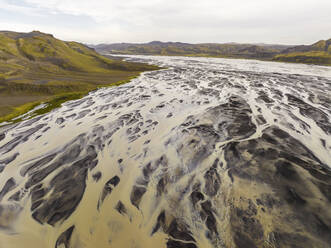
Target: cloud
283 21
18 9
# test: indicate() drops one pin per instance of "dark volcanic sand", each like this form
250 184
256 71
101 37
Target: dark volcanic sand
207 153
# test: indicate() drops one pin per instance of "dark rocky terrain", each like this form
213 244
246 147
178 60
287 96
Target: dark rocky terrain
207 153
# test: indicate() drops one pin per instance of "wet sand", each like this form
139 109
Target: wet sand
206 153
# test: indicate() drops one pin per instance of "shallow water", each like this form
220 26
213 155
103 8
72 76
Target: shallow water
206 153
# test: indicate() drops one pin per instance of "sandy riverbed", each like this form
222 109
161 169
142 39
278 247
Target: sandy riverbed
206 153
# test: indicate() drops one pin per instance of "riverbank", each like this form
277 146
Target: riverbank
48 103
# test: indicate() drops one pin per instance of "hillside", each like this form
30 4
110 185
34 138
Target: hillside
227 50
317 53
36 67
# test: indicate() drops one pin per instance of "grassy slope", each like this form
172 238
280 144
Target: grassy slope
36 67
319 53
313 57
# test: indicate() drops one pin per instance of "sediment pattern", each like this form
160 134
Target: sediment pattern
206 153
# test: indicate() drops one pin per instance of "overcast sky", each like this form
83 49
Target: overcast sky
195 21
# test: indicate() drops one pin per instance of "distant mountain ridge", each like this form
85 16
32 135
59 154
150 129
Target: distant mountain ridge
322 45
186 49
317 53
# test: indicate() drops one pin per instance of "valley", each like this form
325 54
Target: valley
207 152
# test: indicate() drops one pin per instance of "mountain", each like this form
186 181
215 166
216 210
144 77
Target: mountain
231 50
37 67
317 53
46 53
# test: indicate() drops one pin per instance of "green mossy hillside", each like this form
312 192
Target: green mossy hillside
36 67
314 57
318 53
